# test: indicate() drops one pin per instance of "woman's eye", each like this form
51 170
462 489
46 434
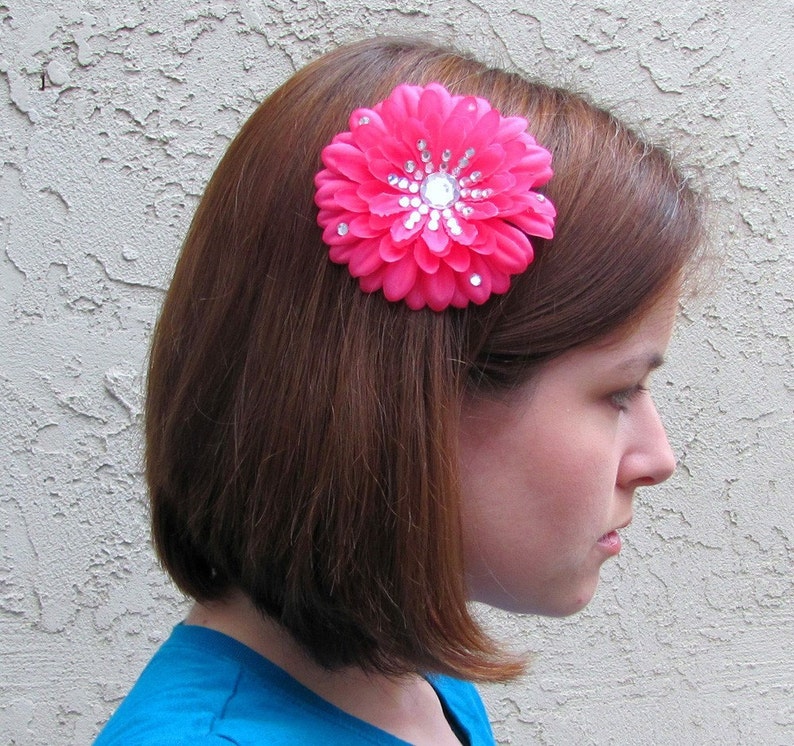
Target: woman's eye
621 399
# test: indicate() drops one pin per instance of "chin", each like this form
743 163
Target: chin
552 600
575 603
550 607
561 604
570 608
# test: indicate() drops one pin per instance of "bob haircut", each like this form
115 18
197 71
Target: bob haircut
301 435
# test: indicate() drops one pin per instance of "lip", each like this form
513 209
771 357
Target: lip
611 542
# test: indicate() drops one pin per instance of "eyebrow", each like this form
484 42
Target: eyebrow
648 362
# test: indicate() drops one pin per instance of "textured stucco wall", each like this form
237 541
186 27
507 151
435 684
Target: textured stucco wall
113 116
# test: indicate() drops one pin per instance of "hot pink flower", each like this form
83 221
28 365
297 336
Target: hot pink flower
429 197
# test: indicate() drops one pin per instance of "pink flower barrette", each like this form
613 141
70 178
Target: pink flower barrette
429 197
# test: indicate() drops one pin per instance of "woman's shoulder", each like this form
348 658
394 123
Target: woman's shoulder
462 704
202 687
181 693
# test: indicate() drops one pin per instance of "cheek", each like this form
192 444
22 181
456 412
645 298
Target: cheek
555 499
538 474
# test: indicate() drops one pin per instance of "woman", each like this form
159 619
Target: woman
437 396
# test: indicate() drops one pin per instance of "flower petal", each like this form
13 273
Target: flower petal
332 236
513 251
458 258
347 160
399 278
426 259
489 160
511 127
535 224
342 254
401 234
390 251
438 288
361 226
384 204
374 281
475 284
436 240
348 199
364 261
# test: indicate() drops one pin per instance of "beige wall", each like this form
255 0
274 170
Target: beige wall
113 119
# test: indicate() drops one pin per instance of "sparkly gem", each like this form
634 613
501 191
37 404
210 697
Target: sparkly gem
416 216
476 193
429 168
463 162
423 209
464 193
403 183
446 155
393 179
541 198
421 144
404 202
443 167
410 166
447 213
475 280
426 156
476 175
455 230
470 152
342 229
415 201
439 190
363 120
487 193
419 175
432 225
467 211
413 187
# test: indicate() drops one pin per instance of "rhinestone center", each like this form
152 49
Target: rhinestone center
439 190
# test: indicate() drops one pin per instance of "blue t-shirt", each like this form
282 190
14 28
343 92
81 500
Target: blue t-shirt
203 687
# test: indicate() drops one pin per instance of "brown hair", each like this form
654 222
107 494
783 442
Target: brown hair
301 435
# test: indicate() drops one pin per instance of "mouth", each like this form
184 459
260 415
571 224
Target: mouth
611 541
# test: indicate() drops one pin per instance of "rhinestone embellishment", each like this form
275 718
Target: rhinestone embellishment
439 190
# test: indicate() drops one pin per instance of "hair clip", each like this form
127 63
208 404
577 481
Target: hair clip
429 197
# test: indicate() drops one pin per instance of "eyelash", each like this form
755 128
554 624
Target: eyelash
621 399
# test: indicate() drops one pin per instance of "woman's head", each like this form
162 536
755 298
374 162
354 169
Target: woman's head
302 435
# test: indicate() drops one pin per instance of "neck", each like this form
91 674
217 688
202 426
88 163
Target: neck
406 706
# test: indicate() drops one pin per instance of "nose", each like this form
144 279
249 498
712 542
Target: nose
648 458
